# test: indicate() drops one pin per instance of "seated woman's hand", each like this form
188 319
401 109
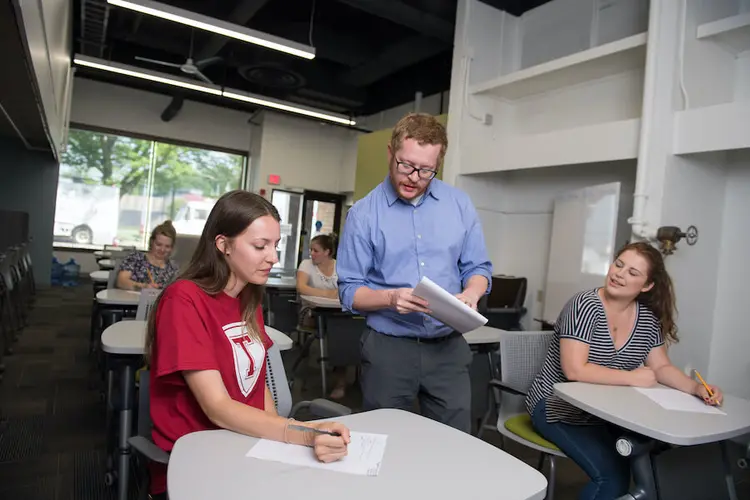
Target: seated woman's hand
702 393
332 294
330 448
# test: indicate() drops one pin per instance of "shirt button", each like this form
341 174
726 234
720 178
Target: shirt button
421 263
419 236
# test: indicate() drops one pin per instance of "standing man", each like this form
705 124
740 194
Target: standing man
408 227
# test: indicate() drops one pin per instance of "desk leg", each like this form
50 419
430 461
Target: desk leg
731 488
639 448
321 336
126 421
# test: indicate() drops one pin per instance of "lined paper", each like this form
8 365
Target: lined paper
365 454
672 399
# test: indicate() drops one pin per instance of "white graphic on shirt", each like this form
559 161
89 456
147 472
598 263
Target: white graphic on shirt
249 356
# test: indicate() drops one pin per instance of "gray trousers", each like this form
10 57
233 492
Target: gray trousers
396 372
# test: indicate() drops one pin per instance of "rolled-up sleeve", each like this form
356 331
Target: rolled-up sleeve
474 259
353 259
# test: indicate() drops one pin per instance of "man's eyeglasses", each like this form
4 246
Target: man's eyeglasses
406 169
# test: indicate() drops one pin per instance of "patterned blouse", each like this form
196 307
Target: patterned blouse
139 266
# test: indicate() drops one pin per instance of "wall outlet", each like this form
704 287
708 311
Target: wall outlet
540 295
488 119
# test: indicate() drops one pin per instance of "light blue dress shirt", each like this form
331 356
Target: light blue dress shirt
390 243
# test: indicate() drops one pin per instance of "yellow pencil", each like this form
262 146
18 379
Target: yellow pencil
704 384
150 277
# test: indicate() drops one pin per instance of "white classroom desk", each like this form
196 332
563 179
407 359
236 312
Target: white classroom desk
101 276
106 264
626 407
631 410
102 254
118 297
423 459
282 283
129 337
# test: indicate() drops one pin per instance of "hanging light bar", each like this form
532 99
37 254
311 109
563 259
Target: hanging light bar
238 95
217 26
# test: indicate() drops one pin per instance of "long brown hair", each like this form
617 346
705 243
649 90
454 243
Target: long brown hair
660 299
208 268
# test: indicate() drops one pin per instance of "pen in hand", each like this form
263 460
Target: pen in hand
304 428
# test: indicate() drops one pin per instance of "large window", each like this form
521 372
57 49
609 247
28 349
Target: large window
114 190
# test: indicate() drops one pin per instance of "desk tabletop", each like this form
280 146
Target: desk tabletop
321 302
107 264
282 283
102 254
626 407
101 276
125 337
484 335
129 338
117 297
423 458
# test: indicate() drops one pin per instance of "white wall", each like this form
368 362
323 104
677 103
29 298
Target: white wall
435 104
729 362
126 110
516 213
307 155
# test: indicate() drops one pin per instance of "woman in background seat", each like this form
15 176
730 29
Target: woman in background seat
206 343
317 277
605 336
151 269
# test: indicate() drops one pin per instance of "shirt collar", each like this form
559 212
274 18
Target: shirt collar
433 189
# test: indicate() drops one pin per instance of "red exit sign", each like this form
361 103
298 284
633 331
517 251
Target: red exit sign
274 179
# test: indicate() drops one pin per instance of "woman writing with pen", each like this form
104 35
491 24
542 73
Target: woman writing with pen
206 344
613 335
152 269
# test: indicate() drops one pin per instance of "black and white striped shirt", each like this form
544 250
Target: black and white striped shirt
583 319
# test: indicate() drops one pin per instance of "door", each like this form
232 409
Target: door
321 214
289 205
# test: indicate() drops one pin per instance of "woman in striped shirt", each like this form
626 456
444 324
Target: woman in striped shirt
612 335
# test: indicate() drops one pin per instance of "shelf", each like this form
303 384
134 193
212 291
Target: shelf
598 62
611 141
732 33
713 128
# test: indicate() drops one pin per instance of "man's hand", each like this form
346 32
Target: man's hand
404 301
468 298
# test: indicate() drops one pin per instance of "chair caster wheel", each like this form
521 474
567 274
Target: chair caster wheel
110 478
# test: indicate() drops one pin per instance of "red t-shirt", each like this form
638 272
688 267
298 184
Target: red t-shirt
198 331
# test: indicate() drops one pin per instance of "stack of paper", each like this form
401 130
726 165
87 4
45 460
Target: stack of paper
672 399
447 308
364 458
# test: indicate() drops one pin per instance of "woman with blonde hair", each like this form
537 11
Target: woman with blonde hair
152 269
206 343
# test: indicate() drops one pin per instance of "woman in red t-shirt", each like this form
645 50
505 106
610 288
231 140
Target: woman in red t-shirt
206 343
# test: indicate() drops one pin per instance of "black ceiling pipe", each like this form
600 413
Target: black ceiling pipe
173 108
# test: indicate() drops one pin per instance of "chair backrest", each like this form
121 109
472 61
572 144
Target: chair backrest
112 279
6 272
146 302
522 354
277 381
285 310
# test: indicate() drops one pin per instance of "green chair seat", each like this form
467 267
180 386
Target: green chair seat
520 425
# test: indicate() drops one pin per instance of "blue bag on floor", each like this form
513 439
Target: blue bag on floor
71 270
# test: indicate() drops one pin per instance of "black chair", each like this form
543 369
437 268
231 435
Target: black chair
504 306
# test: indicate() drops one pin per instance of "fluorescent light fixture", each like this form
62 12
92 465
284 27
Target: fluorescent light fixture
217 26
273 103
144 74
154 76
